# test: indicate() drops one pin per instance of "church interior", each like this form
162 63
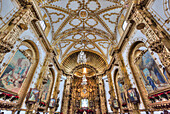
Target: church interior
84 57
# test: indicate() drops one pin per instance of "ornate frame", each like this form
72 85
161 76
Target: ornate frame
29 93
52 106
117 103
137 95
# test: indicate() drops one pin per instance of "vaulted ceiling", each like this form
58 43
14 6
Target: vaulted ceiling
83 24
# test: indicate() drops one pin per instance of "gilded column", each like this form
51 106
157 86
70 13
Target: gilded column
111 90
18 25
72 101
67 95
124 80
43 77
102 95
56 88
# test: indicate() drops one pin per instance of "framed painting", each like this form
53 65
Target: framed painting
133 95
46 89
153 79
115 103
33 95
52 103
15 73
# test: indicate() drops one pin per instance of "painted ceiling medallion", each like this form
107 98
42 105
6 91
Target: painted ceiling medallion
77 36
73 5
83 14
90 46
93 5
64 44
91 36
75 22
112 17
104 44
56 17
91 22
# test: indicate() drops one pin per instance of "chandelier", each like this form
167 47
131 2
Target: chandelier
84 80
81 58
84 83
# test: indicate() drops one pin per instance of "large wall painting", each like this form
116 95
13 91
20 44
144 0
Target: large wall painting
15 73
45 91
152 77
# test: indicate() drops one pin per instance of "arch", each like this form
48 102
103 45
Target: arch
20 70
95 52
120 90
48 86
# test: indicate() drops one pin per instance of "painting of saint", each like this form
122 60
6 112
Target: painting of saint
15 73
45 91
33 95
152 77
52 103
115 103
132 95
121 92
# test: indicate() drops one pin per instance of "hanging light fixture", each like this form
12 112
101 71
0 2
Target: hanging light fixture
84 70
81 59
84 80
84 83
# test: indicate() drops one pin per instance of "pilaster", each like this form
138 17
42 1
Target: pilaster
67 95
102 95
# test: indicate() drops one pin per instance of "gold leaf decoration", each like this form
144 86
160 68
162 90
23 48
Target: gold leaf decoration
60 16
109 17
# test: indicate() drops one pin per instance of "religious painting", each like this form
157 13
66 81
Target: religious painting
52 103
115 103
152 77
46 89
132 95
15 73
122 94
33 95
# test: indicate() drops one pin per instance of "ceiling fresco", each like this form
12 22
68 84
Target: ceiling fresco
83 24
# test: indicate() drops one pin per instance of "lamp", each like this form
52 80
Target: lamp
82 56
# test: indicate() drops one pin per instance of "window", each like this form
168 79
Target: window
43 25
124 25
84 103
